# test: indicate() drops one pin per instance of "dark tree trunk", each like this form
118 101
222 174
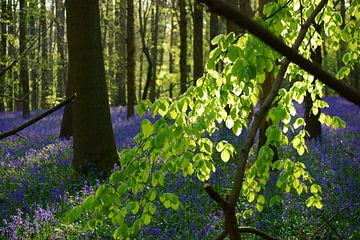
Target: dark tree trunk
313 126
214 27
120 45
61 66
24 75
198 42
32 57
183 46
94 145
3 53
12 74
66 130
130 42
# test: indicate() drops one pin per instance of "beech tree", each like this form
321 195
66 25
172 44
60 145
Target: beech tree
94 144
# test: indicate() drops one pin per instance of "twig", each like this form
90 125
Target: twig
333 216
38 118
238 17
247 229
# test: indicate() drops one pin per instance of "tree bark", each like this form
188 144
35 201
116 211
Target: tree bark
24 75
61 66
214 27
94 145
3 53
198 42
46 81
183 46
130 42
154 50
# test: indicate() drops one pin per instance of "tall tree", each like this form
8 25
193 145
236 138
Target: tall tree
154 51
46 80
214 27
198 41
3 53
24 75
60 32
94 144
130 43
230 26
32 58
183 46
120 45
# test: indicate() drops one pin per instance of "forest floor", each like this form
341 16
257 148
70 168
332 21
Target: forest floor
36 188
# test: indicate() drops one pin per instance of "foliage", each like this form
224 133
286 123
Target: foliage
181 140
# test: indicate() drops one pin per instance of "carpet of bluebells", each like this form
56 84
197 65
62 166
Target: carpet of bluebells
37 187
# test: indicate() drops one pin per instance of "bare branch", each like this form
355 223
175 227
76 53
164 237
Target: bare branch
38 118
214 195
238 17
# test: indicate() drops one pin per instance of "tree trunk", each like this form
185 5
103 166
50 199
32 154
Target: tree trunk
61 71
3 53
120 12
24 75
94 145
198 41
171 51
154 51
214 27
130 42
32 58
12 53
46 81
66 130
313 126
183 47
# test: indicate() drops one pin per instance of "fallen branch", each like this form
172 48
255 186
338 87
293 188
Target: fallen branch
38 118
238 17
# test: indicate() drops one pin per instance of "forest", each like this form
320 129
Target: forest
179 119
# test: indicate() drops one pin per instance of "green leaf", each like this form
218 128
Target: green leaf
142 107
247 213
147 219
260 199
251 197
74 214
225 155
217 39
133 206
147 128
338 122
310 201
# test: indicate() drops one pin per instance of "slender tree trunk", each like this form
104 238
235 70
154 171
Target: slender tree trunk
154 50
313 126
214 27
94 144
120 12
171 52
66 130
32 59
198 42
183 46
61 71
24 75
11 74
3 53
46 85
130 42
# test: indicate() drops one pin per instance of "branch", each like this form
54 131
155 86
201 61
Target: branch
38 118
214 195
264 108
257 232
332 217
238 17
247 229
